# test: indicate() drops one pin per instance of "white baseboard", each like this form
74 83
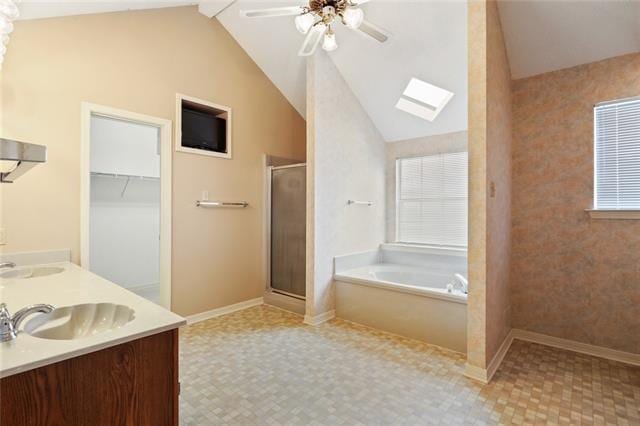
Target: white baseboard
202 316
583 348
499 356
319 319
485 375
476 373
287 303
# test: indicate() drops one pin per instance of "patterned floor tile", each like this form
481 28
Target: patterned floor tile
264 366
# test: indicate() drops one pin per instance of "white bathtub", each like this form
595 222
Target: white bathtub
405 278
406 299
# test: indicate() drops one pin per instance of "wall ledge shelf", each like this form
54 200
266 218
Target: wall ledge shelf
614 214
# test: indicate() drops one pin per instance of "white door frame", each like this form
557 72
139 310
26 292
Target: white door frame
164 126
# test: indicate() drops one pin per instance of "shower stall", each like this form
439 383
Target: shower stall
287 233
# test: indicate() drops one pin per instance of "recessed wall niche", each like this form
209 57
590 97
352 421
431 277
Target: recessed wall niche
203 127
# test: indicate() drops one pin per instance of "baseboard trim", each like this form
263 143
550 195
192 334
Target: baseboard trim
476 373
287 303
583 348
213 313
485 375
319 319
499 356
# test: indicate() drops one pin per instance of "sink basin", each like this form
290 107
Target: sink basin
78 321
31 272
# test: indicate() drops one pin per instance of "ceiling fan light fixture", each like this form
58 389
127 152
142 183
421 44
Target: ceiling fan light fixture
9 9
6 26
352 18
329 43
304 22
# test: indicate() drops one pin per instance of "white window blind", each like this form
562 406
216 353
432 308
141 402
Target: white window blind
617 155
432 199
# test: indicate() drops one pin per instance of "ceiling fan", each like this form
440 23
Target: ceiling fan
315 21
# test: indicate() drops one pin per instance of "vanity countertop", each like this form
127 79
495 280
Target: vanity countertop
74 286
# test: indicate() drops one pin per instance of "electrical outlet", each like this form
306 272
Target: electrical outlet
3 236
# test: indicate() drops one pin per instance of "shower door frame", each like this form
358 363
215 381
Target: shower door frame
268 205
164 126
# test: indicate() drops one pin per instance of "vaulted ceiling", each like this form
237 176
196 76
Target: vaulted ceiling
543 36
428 41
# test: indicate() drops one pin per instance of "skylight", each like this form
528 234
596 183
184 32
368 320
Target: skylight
423 100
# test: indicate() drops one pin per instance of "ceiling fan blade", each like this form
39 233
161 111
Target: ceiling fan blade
374 31
275 11
312 40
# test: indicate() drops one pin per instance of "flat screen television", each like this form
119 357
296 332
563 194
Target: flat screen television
204 128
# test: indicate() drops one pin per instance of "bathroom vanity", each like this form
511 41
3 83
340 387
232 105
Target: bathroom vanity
104 356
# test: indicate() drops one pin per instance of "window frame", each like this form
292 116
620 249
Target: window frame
396 237
607 213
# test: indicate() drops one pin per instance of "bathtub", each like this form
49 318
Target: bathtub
404 293
405 278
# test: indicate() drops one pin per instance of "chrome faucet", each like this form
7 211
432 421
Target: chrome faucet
459 282
7 265
9 324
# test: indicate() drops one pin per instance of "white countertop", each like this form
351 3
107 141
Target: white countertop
74 286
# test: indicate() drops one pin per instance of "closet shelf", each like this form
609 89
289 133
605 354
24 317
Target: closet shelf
124 176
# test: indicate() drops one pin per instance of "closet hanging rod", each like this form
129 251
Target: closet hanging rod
365 203
207 203
124 176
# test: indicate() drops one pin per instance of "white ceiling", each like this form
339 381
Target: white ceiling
543 36
36 9
429 41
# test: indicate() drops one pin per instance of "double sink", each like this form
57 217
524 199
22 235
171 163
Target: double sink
69 322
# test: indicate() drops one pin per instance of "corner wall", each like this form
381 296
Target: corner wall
345 160
137 61
489 188
573 277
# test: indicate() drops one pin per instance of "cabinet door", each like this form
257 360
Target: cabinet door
134 383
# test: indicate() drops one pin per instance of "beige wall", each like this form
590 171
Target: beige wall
489 185
345 160
428 145
572 277
138 61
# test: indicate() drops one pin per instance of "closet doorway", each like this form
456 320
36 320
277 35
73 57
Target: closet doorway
126 200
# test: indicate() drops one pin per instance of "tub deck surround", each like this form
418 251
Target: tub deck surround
74 286
405 279
403 289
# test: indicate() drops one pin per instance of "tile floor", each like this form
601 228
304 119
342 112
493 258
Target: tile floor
263 366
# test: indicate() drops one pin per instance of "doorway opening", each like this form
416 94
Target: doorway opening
126 200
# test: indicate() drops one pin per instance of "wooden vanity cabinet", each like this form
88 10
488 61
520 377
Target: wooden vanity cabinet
133 383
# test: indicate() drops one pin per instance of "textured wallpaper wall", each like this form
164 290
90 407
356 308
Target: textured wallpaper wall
489 186
345 160
572 277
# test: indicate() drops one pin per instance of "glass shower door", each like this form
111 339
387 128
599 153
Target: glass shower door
288 230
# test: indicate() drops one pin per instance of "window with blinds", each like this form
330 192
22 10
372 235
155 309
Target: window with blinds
617 155
431 204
